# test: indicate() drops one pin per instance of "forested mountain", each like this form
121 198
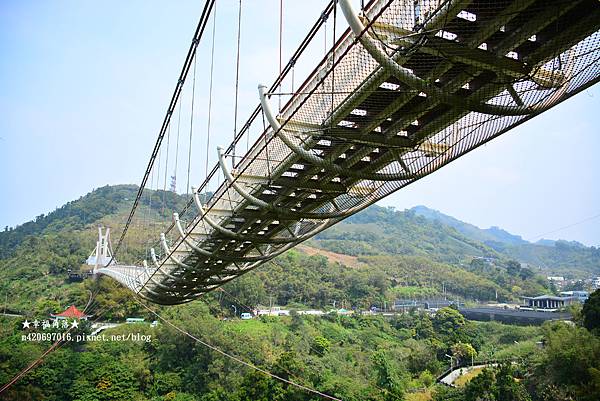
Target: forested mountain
488 236
88 209
386 255
423 231
401 254
569 258
36 256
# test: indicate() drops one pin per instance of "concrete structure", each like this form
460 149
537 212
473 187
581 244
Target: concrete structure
98 327
102 255
273 311
311 312
456 372
525 316
581 296
408 304
596 283
548 302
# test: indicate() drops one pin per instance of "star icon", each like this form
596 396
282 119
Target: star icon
26 324
75 324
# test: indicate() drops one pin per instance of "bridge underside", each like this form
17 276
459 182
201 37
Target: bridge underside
410 87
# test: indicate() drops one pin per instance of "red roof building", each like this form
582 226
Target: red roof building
71 313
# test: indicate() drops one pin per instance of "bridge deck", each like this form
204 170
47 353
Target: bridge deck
393 103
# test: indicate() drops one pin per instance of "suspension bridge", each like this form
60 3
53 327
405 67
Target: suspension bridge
404 89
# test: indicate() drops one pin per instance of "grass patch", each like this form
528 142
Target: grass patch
461 381
253 327
419 396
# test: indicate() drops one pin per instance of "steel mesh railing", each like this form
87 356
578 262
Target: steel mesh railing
409 87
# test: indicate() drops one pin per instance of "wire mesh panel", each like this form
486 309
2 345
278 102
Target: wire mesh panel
407 88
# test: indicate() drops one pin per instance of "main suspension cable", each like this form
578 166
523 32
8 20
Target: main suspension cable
237 73
166 169
174 176
210 90
187 186
208 5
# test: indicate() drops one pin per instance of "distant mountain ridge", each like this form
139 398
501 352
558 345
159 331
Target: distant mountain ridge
488 236
405 249
421 231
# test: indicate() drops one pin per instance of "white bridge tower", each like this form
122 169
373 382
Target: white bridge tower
102 254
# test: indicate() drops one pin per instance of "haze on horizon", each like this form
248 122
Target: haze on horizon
85 86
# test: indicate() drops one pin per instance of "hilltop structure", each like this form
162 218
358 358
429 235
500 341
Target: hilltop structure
70 313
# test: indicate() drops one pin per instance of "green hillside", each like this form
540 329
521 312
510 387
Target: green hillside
428 256
378 230
358 357
489 236
401 254
36 256
565 258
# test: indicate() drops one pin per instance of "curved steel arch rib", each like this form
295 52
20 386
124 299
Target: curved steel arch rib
392 117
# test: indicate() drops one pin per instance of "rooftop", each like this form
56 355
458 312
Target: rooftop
71 312
550 297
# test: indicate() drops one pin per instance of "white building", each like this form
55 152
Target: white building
581 296
547 303
311 312
274 311
596 283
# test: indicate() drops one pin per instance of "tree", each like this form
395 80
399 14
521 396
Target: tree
570 361
105 379
288 363
513 268
508 388
443 393
451 327
320 345
496 384
552 392
387 377
526 274
424 326
578 285
259 387
482 387
448 320
464 352
591 312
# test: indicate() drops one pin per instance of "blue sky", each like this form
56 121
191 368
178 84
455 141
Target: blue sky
84 86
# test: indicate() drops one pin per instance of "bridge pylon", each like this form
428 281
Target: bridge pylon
102 254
